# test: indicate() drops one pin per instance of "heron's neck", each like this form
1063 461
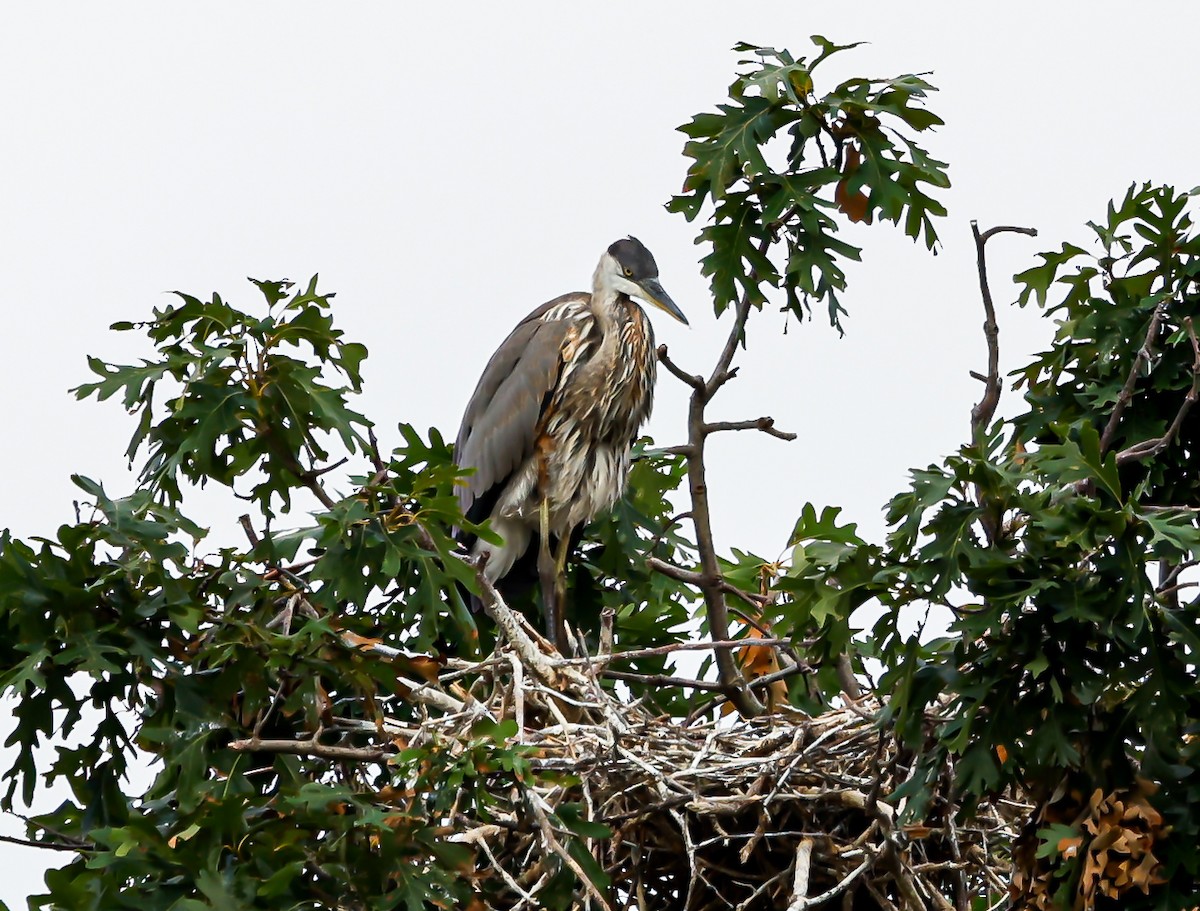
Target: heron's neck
607 301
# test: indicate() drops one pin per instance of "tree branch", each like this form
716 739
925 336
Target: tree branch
709 579
802 903
985 410
755 602
661 680
696 382
311 748
721 373
1147 449
679 574
373 453
683 449
765 424
508 622
48 845
251 534
1139 364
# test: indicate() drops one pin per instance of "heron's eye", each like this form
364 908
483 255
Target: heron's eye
629 272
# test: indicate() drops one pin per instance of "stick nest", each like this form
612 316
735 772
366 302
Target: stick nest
783 812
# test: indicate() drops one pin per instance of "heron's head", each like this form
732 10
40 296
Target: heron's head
629 267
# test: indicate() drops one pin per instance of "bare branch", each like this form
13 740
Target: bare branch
696 382
689 577
760 683
765 424
48 845
674 572
251 534
273 575
674 520
800 878
509 622
317 472
671 648
1012 229
311 748
683 449
803 903
1172 574
985 410
846 678
373 452
721 373
310 480
755 602
664 680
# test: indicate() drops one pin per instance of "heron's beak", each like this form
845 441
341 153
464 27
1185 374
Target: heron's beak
653 293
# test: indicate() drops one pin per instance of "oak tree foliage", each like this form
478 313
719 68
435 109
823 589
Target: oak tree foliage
1063 541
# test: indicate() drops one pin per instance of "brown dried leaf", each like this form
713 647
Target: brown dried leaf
856 205
1069 847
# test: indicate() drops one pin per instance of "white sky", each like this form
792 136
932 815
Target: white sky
446 168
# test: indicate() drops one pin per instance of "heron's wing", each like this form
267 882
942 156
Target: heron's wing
500 424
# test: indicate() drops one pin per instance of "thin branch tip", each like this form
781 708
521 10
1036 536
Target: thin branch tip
696 382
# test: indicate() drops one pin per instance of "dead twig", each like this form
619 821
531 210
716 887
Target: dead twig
837 890
664 680
657 650
514 631
251 534
800 877
549 839
311 747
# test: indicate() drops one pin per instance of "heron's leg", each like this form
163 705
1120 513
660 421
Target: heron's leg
560 586
547 577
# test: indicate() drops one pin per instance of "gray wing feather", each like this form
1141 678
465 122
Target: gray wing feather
499 426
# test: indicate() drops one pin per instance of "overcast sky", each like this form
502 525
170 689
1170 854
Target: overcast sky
447 167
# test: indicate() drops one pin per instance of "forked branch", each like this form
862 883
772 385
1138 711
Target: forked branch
985 410
709 580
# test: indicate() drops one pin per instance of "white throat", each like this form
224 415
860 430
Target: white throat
608 283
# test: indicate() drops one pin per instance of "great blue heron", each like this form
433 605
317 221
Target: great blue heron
549 427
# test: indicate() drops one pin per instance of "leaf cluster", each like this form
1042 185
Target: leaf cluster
849 150
245 395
